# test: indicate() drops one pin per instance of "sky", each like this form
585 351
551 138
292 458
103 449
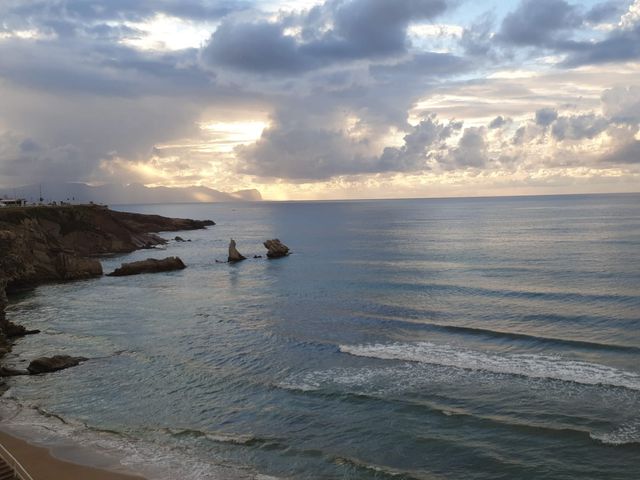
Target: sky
323 99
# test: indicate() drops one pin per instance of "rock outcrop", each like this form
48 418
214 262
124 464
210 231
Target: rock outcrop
150 265
276 248
52 364
234 254
43 244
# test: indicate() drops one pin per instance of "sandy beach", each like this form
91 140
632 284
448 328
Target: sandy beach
41 465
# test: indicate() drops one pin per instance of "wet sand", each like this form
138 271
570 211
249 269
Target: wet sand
41 465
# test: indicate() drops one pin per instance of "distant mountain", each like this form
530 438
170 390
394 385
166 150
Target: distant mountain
135 193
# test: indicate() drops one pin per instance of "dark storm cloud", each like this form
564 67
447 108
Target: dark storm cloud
100 10
620 45
538 22
605 11
257 47
552 25
361 29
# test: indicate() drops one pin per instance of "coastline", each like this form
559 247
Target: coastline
41 463
40 245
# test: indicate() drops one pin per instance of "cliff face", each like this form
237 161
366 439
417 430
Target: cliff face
44 244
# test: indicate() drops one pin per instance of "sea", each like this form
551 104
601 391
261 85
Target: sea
431 339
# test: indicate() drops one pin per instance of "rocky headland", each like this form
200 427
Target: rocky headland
44 244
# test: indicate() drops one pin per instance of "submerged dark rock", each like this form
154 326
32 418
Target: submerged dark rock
12 372
234 254
52 364
150 265
179 239
276 248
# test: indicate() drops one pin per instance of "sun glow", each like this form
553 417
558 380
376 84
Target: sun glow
163 32
225 136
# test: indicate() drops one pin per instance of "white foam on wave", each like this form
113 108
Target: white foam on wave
623 435
126 453
529 365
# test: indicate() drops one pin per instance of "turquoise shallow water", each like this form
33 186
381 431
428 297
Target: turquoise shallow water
426 339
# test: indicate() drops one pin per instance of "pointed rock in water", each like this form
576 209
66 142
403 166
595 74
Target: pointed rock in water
234 254
276 248
150 265
179 239
52 364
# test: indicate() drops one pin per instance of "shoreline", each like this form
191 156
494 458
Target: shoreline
58 244
42 464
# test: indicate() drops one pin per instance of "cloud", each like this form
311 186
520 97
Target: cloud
256 47
342 91
333 33
497 122
82 11
470 152
546 116
23 159
622 104
578 127
620 45
538 22
423 64
304 154
627 154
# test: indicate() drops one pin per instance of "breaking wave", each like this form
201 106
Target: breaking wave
528 365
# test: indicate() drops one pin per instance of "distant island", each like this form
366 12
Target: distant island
121 194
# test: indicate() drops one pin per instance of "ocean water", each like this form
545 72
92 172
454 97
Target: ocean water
492 338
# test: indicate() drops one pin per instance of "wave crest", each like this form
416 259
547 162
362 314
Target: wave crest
528 365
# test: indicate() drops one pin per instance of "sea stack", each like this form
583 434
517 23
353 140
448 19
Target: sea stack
234 254
276 248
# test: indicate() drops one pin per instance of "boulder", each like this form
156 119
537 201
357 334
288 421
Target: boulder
150 265
12 372
179 239
234 254
276 248
52 364
14 330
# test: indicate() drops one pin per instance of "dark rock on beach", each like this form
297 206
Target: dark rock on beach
52 364
276 248
150 265
234 254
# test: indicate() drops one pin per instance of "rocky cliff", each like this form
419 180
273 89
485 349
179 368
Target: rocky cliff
44 244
